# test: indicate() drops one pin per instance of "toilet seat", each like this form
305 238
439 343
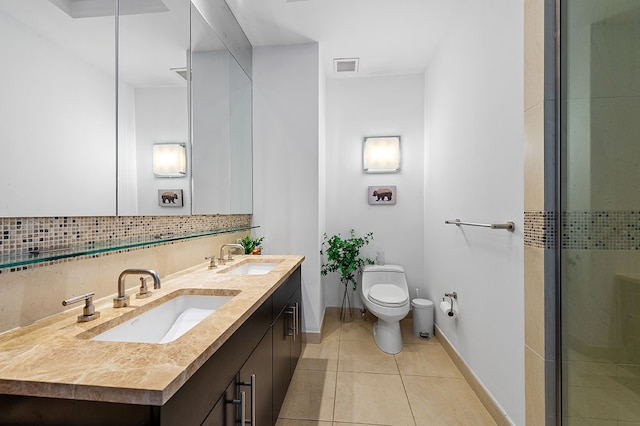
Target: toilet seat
388 295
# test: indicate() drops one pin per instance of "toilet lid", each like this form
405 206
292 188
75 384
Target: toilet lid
387 295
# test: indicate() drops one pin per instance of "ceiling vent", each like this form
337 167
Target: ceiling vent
348 65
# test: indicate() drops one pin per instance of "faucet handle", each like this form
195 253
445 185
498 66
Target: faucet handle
144 290
212 261
89 311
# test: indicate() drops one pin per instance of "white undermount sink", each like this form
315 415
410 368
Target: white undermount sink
167 321
252 268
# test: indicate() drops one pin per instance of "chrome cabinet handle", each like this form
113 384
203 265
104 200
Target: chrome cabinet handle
297 319
242 403
291 331
252 384
243 408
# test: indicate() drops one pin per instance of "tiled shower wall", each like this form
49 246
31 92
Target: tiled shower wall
601 238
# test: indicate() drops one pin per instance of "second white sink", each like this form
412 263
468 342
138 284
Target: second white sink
252 269
166 322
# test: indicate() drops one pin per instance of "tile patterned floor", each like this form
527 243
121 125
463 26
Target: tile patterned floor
347 380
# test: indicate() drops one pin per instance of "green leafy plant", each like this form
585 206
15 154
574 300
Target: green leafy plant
343 256
249 243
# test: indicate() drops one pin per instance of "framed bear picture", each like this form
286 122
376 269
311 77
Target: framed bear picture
170 198
382 195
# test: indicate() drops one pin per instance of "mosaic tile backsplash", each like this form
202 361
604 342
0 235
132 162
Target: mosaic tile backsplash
33 234
584 230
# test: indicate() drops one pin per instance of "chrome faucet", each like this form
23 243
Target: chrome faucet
122 299
231 247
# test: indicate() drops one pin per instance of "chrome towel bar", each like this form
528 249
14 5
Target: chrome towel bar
509 226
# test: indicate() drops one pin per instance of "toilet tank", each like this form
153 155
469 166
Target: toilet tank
383 274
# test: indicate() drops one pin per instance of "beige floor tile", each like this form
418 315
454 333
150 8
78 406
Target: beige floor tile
445 401
371 398
406 327
358 330
293 422
426 360
365 357
330 328
323 356
311 396
355 424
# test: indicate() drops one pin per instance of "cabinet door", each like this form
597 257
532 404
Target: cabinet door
281 361
225 412
296 339
258 390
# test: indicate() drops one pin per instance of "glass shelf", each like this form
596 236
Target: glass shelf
34 257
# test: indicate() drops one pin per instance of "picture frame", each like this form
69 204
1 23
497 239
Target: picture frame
382 195
170 198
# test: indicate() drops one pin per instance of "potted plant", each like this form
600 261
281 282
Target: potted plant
251 245
343 257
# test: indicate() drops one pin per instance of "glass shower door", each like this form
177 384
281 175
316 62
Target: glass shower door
600 205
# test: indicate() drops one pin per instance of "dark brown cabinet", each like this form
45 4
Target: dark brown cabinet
225 412
257 360
256 378
247 399
287 343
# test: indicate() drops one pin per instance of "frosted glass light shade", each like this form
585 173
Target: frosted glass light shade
169 159
381 154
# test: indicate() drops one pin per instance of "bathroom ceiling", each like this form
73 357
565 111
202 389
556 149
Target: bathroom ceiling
389 36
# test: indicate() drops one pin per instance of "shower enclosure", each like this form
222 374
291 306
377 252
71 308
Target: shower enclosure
600 212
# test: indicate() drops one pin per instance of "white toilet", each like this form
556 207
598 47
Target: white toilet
386 295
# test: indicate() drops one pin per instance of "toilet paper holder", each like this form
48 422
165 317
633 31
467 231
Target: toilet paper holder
451 296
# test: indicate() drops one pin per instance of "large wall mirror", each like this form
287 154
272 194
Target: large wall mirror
58 110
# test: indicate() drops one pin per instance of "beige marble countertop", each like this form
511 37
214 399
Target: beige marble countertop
54 357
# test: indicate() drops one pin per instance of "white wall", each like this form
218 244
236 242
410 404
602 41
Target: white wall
322 178
286 156
474 98
376 106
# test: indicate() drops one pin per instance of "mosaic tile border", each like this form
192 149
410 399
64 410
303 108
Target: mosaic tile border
539 229
23 235
601 230
584 230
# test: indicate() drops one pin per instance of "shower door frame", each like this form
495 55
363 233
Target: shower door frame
558 214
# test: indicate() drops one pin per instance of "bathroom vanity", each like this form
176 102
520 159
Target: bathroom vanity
235 365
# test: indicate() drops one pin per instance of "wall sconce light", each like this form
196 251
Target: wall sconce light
381 154
169 159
